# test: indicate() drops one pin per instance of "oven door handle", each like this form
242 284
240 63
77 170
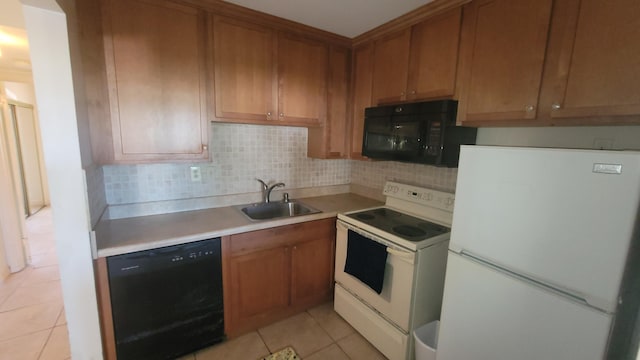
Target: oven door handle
405 256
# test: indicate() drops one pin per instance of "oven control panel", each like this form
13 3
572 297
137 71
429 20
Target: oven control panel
423 196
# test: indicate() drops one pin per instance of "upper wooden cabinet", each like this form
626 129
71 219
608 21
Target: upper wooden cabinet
433 59
361 95
419 62
156 76
302 80
391 67
262 76
504 49
563 62
244 70
331 140
593 65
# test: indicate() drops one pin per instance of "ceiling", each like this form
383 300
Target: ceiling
14 49
348 18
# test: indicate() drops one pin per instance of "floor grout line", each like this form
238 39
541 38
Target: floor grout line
45 343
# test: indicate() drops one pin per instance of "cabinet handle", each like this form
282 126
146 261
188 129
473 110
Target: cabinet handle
281 114
529 108
413 92
205 147
555 106
269 115
402 93
295 248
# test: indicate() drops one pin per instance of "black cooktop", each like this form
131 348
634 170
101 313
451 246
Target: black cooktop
399 224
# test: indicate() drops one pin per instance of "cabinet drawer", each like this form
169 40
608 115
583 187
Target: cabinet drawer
281 236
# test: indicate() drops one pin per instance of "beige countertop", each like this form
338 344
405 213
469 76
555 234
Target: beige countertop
120 236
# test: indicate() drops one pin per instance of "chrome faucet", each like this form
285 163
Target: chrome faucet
266 190
268 196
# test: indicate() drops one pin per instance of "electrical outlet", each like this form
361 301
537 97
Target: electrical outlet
603 143
195 174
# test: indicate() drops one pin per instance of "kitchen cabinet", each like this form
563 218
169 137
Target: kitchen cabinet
593 63
504 45
419 62
267 77
302 79
391 67
331 140
274 273
244 70
361 95
566 62
155 59
308 284
433 58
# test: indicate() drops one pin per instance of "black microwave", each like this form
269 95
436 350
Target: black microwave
424 133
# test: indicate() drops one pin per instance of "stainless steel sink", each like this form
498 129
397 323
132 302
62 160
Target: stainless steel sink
274 210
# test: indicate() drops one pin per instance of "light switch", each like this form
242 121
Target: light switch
195 174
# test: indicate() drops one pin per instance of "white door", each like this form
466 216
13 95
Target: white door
488 315
547 214
29 157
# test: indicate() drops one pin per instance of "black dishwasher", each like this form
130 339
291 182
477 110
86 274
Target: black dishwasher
167 302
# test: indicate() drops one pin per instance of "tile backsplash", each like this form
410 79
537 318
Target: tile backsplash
372 176
240 153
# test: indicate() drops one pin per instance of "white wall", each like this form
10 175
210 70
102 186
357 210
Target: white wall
50 56
20 91
11 14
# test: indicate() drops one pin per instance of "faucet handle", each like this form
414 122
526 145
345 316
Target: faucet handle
285 197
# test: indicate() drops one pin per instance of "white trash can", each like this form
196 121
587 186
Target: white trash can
426 339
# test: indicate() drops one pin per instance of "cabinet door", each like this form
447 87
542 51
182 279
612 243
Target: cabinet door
390 68
434 56
330 140
597 68
312 271
155 58
245 87
503 59
362 79
258 286
302 80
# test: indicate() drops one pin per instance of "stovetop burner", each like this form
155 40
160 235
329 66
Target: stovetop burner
365 216
408 230
405 226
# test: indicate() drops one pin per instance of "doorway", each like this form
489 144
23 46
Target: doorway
27 156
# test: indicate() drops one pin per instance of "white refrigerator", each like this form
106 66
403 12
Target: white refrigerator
538 248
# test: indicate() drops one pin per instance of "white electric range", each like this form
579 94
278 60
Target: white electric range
392 281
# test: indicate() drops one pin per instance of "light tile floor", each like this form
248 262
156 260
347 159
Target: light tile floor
33 325
317 334
32 322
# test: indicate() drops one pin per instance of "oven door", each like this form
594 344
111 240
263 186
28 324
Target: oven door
394 301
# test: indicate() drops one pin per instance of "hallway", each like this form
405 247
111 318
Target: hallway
32 321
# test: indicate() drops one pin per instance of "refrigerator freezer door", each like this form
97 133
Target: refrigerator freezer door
489 315
550 214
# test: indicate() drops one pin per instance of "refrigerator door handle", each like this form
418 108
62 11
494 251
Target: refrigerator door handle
568 294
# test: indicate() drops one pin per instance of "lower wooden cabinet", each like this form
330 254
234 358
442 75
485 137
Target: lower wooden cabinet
274 273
